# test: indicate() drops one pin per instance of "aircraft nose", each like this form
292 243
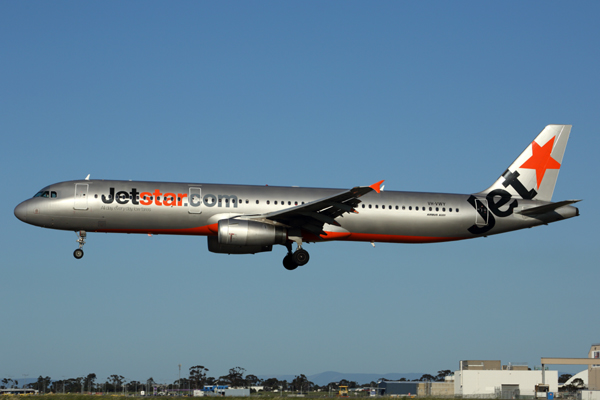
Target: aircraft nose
21 211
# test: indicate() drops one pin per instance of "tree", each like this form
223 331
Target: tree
284 385
235 378
149 384
253 380
441 376
42 384
564 378
211 380
134 385
88 382
300 383
7 383
271 384
116 381
344 382
198 376
427 378
574 386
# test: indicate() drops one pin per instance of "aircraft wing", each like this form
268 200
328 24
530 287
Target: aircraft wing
312 216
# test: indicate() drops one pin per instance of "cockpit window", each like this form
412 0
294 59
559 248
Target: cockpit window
46 194
42 193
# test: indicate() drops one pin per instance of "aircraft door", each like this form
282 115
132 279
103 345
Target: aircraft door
81 195
195 200
481 216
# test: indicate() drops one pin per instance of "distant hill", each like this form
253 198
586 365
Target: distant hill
332 376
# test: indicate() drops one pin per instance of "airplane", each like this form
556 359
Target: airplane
242 219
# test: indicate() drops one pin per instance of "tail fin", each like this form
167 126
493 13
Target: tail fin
533 174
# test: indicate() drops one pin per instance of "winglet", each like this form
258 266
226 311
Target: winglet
377 186
87 178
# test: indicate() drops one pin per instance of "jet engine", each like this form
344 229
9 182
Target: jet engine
236 236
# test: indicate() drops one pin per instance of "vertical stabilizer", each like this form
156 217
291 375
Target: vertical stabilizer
533 174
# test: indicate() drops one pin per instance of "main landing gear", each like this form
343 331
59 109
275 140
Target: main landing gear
296 259
78 253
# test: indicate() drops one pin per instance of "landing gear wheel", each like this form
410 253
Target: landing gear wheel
289 263
81 235
300 257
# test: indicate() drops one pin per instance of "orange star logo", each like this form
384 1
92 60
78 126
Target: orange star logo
541 160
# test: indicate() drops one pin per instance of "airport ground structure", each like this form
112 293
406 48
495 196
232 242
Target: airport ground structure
474 379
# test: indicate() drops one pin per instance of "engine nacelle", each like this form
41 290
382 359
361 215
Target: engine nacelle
215 247
237 236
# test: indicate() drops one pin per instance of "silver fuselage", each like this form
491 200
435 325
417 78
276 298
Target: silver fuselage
195 209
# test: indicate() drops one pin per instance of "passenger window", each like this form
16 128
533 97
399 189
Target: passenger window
369 206
256 201
295 203
457 210
275 202
396 207
437 209
430 209
410 208
268 202
403 208
289 203
444 209
376 205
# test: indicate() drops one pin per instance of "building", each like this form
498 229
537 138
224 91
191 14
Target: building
222 390
397 388
594 369
489 378
421 389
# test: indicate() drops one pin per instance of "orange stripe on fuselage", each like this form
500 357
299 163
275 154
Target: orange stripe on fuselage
373 237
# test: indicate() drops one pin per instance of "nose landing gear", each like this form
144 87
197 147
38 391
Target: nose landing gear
78 253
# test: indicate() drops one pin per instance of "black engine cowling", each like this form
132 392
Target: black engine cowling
237 236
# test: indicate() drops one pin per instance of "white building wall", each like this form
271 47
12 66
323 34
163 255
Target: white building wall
469 383
589 395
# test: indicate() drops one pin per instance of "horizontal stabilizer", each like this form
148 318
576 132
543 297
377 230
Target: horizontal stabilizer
547 208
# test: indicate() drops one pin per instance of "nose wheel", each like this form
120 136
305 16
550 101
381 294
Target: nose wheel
78 253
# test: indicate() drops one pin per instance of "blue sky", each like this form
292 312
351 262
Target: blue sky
430 96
